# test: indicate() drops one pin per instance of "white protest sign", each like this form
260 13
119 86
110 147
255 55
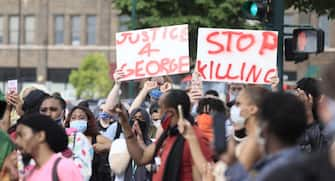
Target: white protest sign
153 52
240 56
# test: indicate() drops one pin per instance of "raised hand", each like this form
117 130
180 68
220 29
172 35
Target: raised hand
149 85
166 87
184 127
196 88
123 114
118 75
306 99
15 101
274 83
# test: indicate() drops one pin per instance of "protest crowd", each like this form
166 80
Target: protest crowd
166 133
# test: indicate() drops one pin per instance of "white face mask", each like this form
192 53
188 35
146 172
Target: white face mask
235 116
157 123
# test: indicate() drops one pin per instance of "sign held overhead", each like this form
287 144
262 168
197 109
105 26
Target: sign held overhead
153 52
240 56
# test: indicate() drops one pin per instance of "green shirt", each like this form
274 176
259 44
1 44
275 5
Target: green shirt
6 146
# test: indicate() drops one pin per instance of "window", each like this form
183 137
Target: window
324 25
91 30
29 27
59 30
13 29
1 30
75 30
289 20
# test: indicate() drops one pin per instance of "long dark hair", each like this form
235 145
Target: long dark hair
175 97
147 120
92 129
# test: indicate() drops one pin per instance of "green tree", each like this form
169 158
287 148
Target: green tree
92 80
321 7
196 13
209 13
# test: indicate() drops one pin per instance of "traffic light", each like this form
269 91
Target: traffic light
292 56
256 10
308 40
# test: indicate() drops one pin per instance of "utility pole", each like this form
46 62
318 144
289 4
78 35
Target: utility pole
131 84
277 6
18 58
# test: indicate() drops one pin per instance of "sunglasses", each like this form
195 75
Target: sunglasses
45 109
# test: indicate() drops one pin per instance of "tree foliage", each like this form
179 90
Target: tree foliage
321 7
92 80
209 13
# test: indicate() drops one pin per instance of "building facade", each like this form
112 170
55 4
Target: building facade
311 67
46 39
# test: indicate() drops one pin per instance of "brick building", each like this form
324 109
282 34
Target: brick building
55 35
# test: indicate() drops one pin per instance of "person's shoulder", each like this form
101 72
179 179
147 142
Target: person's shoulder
198 132
316 166
67 169
65 162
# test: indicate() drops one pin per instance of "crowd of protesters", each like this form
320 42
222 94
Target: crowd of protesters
255 133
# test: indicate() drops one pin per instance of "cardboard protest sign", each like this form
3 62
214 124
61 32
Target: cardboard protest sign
153 52
12 86
240 56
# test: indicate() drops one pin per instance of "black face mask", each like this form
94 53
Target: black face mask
241 133
143 126
26 158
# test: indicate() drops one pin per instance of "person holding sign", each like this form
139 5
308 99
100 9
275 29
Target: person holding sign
171 153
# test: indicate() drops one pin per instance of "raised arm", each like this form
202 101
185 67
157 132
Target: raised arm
114 96
13 101
142 156
199 159
148 86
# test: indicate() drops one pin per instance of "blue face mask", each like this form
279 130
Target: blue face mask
59 121
155 93
104 116
80 125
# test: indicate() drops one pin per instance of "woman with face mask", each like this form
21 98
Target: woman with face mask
82 120
140 122
245 113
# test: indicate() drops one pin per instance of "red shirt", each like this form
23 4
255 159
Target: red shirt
186 167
